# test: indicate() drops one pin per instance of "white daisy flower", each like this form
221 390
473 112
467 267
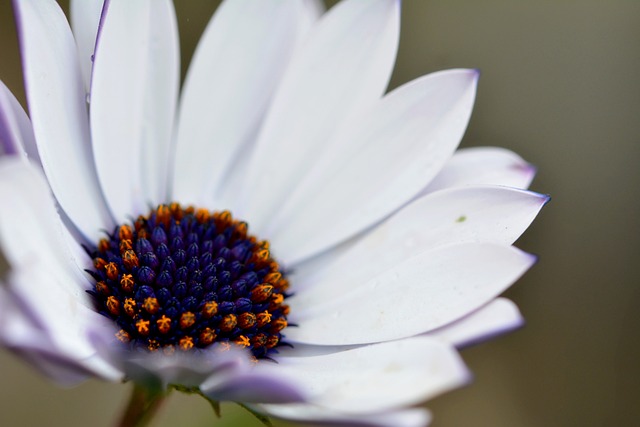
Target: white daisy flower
362 247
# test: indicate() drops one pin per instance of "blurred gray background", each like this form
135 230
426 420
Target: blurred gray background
559 86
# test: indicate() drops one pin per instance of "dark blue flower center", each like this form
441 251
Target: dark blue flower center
185 278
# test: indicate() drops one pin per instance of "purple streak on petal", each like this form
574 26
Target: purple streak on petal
490 336
514 323
544 197
103 15
255 388
7 142
527 170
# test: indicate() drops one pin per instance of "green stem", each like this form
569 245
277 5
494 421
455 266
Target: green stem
143 405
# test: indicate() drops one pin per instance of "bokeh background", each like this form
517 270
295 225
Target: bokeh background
560 85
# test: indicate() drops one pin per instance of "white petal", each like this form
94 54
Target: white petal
496 318
133 96
343 67
41 292
426 292
16 133
312 415
378 164
306 350
234 71
17 328
85 18
468 214
158 370
375 378
58 110
31 228
44 277
483 166
19 334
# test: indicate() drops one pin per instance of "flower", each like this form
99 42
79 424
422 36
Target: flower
395 245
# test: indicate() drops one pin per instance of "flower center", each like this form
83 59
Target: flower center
186 278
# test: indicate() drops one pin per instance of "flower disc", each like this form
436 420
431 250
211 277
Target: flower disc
186 278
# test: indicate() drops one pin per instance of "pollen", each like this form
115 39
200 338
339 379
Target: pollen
202 215
103 245
102 288
113 305
151 305
272 341
277 299
261 293
130 307
164 324
273 278
124 232
185 278
123 336
263 318
130 259
143 327
126 282
209 309
207 336
259 340
125 245
187 319
278 325
112 270
186 343
247 320
261 256
153 345
242 341
228 323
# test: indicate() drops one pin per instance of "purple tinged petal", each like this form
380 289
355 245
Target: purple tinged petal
16 133
253 388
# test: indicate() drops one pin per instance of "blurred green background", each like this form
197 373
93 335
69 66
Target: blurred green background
560 87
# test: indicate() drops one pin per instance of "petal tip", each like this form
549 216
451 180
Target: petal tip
472 73
544 198
527 168
533 258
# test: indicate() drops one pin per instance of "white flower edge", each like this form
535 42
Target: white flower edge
375 378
